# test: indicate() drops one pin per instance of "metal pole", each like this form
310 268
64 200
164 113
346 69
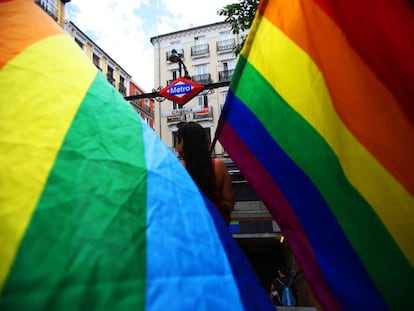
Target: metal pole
209 86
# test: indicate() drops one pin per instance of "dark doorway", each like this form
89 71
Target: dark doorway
265 255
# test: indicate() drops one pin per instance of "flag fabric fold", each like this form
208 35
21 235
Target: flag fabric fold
95 211
319 119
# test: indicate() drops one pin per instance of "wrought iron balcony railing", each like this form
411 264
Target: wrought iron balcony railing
176 118
201 49
205 114
226 45
204 78
225 75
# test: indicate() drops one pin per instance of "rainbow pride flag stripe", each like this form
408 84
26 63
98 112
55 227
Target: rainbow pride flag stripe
96 213
319 119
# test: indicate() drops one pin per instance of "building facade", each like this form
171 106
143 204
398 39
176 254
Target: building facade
113 72
55 8
207 55
143 106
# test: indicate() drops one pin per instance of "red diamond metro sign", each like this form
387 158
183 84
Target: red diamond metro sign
181 90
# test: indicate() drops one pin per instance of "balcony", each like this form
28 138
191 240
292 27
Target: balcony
204 78
226 45
175 118
199 50
205 114
225 75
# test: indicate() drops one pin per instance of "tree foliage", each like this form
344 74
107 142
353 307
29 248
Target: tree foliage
240 17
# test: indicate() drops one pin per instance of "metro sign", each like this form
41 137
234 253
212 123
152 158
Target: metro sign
181 90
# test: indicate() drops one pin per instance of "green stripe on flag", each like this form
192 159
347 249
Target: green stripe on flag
87 233
313 155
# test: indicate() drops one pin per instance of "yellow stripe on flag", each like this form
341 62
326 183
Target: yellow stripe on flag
382 191
37 109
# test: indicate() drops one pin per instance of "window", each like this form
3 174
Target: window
200 46
110 75
224 35
226 42
228 65
227 72
202 76
122 87
201 69
203 101
174 74
200 40
96 61
79 42
50 6
79 38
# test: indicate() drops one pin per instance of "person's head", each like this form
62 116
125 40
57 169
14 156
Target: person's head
282 271
192 144
191 139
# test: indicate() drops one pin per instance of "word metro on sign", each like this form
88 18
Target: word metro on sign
181 90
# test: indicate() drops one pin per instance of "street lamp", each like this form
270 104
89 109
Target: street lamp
176 58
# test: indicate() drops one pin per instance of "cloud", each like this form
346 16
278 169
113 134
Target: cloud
123 28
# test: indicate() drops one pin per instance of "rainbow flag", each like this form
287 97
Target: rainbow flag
319 119
96 213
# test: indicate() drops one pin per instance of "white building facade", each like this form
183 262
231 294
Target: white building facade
207 53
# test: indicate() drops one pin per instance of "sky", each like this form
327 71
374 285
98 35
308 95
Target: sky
123 28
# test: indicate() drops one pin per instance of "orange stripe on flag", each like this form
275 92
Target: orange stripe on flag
363 103
16 19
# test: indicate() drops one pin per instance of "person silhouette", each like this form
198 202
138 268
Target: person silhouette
210 174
